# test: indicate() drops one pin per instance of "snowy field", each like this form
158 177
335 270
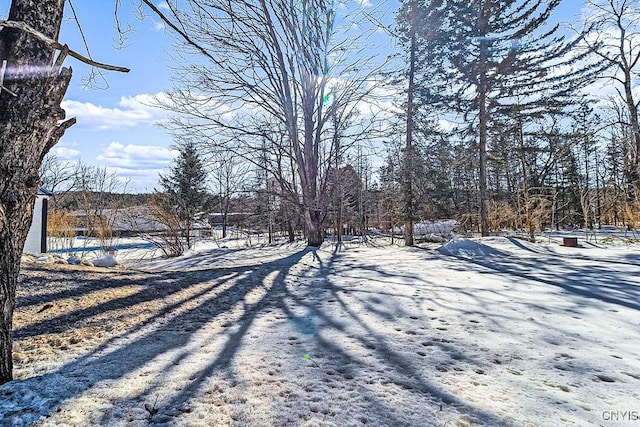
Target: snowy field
489 332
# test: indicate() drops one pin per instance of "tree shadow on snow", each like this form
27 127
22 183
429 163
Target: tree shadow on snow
343 321
335 331
166 332
600 281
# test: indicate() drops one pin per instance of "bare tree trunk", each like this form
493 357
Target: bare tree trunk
409 153
482 142
10 261
585 204
29 127
315 233
187 233
339 224
269 216
634 177
291 232
225 215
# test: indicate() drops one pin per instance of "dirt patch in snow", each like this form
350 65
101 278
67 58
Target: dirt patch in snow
66 309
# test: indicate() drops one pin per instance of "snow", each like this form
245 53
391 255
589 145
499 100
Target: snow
105 261
493 331
441 227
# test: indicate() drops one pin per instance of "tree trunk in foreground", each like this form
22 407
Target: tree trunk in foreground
483 117
30 125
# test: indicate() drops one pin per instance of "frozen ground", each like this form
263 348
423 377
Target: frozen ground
488 332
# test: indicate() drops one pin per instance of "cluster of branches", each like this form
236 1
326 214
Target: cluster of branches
512 87
278 84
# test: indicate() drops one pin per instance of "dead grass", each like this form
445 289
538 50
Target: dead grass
63 309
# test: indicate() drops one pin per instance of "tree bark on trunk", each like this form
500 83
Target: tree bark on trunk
634 179
313 220
410 201
291 232
483 120
30 126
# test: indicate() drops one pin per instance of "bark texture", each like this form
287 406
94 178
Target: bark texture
315 230
30 125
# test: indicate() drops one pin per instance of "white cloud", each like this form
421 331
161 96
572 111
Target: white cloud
159 25
65 153
136 157
131 111
138 165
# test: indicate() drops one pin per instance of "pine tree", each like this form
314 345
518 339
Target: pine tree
499 57
185 190
416 19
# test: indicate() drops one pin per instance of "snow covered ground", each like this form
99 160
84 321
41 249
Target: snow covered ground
491 331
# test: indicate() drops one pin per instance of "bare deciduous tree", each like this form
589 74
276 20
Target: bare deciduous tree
94 187
615 39
272 75
228 173
56 175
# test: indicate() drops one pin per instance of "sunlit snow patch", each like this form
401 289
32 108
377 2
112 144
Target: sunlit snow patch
105 261
468 248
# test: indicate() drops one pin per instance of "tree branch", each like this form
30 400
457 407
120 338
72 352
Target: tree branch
174 27
59 46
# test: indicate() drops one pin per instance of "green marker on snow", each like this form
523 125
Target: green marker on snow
308 357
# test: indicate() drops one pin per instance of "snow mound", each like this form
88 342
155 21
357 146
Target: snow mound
50 259
74 260
469 248
105 261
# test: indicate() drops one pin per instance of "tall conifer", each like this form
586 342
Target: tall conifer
495 57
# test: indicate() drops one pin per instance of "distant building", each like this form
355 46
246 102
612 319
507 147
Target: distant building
36 242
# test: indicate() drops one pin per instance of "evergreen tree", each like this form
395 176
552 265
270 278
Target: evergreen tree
435 184
185 190
497 57
414 22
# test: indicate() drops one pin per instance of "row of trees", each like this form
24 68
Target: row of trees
284 88
284 96
521 149
512 87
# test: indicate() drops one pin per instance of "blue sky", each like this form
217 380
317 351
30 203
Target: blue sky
117 127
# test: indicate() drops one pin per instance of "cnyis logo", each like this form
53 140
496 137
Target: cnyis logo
621 415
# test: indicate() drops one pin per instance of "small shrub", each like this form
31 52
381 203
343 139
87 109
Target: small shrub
61 230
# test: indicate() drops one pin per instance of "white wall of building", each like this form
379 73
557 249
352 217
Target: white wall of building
33 245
